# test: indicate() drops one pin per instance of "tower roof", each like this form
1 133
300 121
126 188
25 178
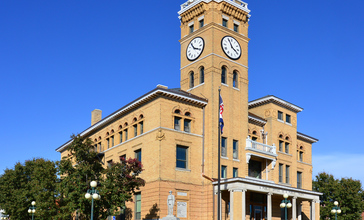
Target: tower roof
237 3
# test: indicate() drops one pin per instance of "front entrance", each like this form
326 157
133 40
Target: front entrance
258 206
258 212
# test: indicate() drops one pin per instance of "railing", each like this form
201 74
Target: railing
239 2
250 144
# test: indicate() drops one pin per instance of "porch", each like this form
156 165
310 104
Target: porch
248 199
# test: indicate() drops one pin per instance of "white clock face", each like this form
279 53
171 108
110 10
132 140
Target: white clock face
195 48
231 47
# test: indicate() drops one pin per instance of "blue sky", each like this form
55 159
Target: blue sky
59 60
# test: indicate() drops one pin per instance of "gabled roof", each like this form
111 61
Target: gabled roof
272 99
255 119
160 91
303 137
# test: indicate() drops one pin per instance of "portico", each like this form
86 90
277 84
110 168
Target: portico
246 198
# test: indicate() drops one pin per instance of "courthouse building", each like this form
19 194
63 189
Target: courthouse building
174 132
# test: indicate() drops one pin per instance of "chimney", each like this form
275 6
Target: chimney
96 116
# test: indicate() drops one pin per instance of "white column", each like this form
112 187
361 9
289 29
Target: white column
269 206
220 204
231 204
243 211
313 209
294 208
300 211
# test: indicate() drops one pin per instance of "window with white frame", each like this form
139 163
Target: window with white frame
223 172
223 147
235 150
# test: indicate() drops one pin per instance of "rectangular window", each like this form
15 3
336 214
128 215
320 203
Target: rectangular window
201 22
108 143
121 136
235 172
224 22
223 147
288 118
191 28
281 146
138 155
223 171
138 206
181 157
187 125
287 174
141 127
301 156
177 123
281 173
280 115
112 141
122 157
236 28
135 130
100 147
299 180
255 169
95 148
126 134
109 164
235 149
286 146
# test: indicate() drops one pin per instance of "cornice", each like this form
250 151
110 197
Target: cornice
303 137
275 100
158 92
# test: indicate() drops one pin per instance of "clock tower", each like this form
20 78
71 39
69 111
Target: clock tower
214 55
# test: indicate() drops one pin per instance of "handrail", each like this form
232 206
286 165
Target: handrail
260 146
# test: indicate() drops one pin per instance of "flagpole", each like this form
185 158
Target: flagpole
219 167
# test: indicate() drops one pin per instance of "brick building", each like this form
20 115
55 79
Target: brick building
174 132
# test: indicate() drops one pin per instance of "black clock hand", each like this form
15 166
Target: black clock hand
195 47
232 46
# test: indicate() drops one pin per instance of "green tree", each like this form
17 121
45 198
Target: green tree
35 180
117 183
346 191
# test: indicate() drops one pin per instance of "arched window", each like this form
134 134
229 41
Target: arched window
177 111
223 75
235 79
286 145
202 75
188 114
192 80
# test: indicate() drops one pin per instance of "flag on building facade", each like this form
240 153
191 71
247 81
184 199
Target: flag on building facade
221 120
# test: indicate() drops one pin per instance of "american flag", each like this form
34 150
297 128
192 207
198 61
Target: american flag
221 120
